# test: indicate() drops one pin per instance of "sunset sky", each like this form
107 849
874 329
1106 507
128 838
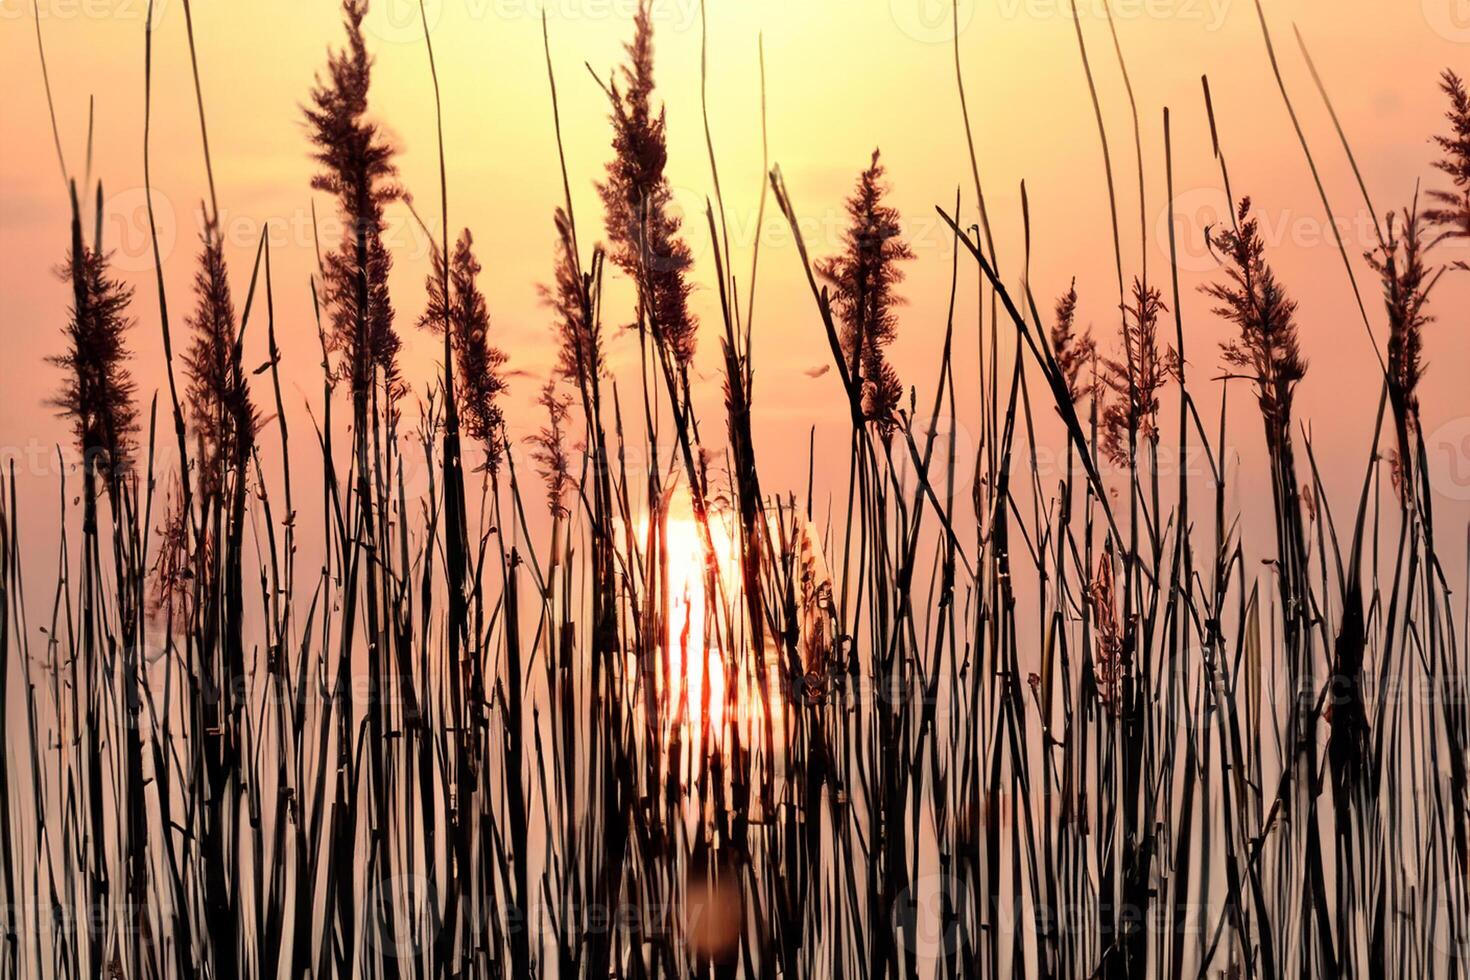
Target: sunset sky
881 74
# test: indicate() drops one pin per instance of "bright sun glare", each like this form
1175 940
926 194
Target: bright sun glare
695 682
694 653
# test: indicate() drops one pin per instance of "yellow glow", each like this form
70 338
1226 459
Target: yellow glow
694 654
703 622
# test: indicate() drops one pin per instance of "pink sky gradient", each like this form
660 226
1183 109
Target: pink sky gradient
841 78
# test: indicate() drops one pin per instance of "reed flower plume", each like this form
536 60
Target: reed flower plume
220 409
1133 383
636 196
1451 212
479 382
171 577
863 278
579 350
1107 654
1267 349
550 449
1407 280
357 169
1072 350
97 394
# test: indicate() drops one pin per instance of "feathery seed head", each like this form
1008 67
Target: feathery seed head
479 379
864 277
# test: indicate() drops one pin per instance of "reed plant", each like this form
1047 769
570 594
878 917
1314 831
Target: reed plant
685 722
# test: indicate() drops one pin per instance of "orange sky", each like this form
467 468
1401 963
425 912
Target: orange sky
842 77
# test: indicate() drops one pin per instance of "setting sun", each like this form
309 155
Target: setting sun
704 620
691 634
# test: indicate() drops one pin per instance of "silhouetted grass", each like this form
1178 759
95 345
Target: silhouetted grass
1065 723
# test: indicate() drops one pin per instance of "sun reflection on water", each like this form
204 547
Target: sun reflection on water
707 679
